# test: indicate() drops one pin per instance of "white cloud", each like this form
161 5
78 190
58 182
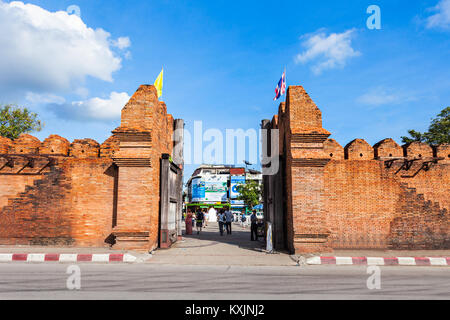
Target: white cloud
36 98
43 51
380 96
441 19
122 43
328 51
96 109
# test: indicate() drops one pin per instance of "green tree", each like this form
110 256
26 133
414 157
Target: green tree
15 120
438 131
251 193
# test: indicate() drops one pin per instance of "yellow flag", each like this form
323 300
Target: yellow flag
159 83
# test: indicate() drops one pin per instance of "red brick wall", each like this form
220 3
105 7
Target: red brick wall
139 187
61 193
12 185
369 206
434 184
385 196
70 204
55 145
4 145
360 203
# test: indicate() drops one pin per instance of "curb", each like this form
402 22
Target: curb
65 257
380 261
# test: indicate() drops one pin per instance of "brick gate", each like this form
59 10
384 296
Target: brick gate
86 194
328 197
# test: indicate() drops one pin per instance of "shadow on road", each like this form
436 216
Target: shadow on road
210 235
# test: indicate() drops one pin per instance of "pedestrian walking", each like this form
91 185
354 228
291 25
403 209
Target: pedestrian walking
199 220
188 220
221 220
229 219
244 221
254 226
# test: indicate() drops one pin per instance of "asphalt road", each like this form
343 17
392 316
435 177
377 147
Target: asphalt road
149 281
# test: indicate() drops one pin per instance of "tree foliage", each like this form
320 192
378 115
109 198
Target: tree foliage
251 193
15 120
438 131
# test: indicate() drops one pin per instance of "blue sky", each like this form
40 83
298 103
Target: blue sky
222 60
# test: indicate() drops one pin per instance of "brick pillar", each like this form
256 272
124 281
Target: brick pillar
305 161
138 166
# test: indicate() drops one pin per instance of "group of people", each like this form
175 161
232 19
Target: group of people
195 219
224 217
200 219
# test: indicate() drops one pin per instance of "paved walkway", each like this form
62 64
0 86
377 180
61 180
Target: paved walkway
210 248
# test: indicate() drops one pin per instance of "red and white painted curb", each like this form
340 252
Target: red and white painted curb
67 257
380 261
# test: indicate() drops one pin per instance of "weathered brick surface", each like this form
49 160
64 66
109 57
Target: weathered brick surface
333 149
418 224
361 198
358 149
385 196
109 147
138 112
371 206
303 148
14 184
443 151
55 145
5 143
72 204
387 148
25 144
434 183
418 150
83 194
84 148
139 187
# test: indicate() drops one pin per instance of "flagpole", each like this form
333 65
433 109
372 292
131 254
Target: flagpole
285 81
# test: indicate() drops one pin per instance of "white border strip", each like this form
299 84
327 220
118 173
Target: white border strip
377 261
344 260
406 261
6 257
438 261
36 257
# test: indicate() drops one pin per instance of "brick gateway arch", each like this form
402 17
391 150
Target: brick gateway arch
126 192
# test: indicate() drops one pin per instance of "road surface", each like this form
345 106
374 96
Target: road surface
159 281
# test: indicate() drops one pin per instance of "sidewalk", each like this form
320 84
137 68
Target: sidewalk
209 248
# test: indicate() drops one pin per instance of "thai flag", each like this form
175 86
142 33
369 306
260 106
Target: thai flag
281 87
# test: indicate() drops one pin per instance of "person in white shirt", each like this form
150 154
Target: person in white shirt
212 214
229 219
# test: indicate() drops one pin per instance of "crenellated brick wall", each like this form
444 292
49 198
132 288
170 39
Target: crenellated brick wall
85 193
358 196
